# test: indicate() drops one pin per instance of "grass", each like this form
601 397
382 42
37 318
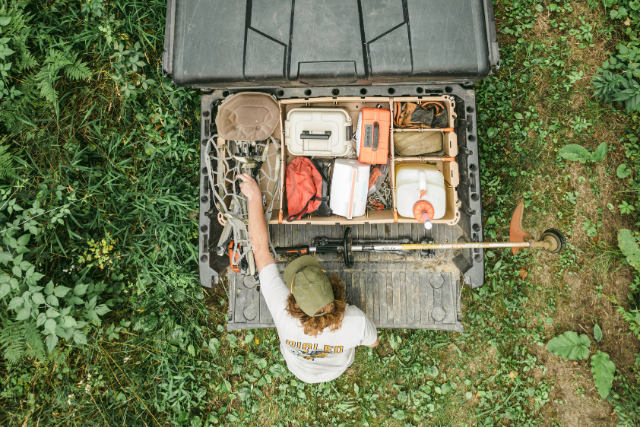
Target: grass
119 151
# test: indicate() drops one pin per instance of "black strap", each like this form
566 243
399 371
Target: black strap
376 136
300 214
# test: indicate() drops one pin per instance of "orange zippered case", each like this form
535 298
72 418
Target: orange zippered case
374 125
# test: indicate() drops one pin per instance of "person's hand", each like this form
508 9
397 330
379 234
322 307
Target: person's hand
249 187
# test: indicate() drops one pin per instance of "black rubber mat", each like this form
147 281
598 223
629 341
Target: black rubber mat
395 290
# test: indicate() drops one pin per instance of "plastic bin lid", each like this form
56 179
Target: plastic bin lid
235 43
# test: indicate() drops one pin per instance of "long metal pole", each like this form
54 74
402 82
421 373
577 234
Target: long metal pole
470 245
413 247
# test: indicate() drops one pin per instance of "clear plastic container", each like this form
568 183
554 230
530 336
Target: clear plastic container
419 181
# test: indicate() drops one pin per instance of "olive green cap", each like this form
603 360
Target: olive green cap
308 284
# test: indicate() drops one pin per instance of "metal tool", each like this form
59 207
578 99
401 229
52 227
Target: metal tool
347 246
551 240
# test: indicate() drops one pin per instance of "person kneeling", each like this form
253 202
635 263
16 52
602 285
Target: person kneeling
318 330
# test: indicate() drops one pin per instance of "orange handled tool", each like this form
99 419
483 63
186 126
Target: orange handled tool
301 250
234 265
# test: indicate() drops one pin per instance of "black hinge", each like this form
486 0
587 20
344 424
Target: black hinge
460 123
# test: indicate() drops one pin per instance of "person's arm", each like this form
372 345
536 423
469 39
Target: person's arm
258 233
375 344
369 331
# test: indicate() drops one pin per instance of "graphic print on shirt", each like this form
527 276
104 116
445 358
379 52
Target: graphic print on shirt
311 352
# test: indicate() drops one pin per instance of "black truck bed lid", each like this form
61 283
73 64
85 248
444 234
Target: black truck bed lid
232 43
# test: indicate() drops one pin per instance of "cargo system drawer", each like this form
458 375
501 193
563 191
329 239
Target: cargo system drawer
353 105
463 184
350 54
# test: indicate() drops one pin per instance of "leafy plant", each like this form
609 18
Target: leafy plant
628 93
573 347
94 7
633 318
7 168
576 76
597 332
20 339
570 346
625 208
603 370
14 54
57 311
571 197
627 404
623 171
575 152
19 94
618 88
616 80
591 227
628 244
57 61
606 85
128 61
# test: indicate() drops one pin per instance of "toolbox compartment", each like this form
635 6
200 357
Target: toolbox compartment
353 105
350 185
318 132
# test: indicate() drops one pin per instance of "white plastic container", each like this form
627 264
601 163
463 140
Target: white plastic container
318 132
417 181
349 187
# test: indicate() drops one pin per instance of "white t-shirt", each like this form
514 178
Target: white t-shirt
314 359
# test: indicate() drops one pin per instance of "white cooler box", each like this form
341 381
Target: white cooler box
318 132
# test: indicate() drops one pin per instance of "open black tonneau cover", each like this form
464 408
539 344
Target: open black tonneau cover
235 43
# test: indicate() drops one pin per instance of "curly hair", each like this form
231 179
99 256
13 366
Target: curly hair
334 311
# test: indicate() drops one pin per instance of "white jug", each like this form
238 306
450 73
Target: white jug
420 182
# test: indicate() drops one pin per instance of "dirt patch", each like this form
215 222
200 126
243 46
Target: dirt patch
586 308
588 295
482 361
590 282
592 292
541 29
574 401
586 49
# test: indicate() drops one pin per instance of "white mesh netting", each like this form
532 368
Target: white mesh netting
224 161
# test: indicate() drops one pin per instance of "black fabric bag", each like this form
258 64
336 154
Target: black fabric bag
324 168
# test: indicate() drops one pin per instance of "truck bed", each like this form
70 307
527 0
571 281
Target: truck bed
395 291
385 286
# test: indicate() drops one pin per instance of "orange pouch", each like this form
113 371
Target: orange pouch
373 142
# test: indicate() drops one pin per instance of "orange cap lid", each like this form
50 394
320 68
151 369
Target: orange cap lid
421 208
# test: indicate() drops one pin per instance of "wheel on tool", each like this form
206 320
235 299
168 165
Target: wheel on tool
556 240
346 249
